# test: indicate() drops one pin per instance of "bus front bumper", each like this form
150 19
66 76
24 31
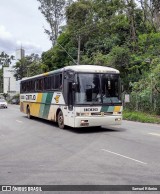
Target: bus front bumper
97 121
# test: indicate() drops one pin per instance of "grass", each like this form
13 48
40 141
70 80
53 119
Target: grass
140 117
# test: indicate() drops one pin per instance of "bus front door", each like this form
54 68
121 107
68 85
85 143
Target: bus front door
69 99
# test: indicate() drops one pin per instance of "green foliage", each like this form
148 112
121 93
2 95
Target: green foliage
141 117
78 14
62 54
119 58
149 44
5 59
145 95
116 33
29 66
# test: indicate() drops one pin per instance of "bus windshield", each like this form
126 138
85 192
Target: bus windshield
97 88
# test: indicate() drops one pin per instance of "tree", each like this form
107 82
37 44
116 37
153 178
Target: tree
28 66
62 54
21 69
35 65
151 12
156 13
5 59
131 17
79 21
53 11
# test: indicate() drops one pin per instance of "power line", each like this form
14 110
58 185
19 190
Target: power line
67 53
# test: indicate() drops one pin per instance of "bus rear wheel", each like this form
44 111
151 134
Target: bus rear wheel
60 120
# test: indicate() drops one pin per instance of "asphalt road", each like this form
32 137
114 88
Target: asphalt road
38 152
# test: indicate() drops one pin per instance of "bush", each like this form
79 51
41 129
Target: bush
141 117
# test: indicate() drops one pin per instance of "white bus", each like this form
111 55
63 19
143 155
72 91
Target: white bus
75 96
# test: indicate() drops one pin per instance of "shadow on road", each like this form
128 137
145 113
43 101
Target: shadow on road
103 129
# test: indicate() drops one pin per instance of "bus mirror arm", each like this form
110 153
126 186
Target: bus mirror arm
74 86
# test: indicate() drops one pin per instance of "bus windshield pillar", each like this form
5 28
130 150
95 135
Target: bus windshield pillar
70 96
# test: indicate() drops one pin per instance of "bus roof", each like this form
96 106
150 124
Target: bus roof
79 68
91 68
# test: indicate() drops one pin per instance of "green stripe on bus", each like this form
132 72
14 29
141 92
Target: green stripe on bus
107 108
48 105
42 107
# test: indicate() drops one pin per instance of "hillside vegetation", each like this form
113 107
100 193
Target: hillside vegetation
123 34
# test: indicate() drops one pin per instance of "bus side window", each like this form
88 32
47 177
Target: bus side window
38 85
33 85
45 83
52 82
27 86
58 82
41 84
49 83
24 87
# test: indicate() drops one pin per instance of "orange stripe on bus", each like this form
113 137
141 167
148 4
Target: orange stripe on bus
35 107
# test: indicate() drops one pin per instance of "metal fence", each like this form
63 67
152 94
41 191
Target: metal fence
149 103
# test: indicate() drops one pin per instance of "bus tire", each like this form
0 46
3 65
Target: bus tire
60 120
28 113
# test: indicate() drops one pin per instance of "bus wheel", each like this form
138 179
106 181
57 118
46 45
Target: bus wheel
60 120
28 113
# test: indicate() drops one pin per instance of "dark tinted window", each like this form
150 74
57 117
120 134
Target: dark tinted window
42 84
57 82
47 83
39 84
28 86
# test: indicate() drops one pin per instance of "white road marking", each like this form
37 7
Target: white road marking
19 121
155 134
124 156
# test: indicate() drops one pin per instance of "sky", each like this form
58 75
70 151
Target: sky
22 24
